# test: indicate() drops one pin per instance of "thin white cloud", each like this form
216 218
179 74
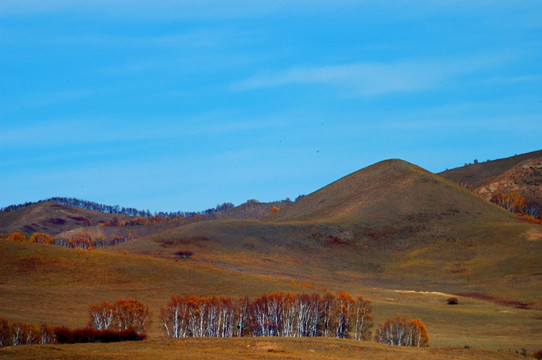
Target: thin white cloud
218 9
49 98
368 79
165 8
110 130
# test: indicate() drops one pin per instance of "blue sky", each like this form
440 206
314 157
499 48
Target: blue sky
180 105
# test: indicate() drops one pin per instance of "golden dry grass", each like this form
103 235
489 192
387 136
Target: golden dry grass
248 348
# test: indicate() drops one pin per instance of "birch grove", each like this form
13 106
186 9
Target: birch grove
274 314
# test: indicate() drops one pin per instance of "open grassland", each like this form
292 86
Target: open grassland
496 259
248 348
40 283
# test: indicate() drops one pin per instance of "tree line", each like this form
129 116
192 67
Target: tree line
119 210
80 240
286 315
275 314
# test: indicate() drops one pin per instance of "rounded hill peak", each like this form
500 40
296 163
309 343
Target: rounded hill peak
383 191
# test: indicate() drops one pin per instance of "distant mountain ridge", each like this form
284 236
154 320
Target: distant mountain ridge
116 209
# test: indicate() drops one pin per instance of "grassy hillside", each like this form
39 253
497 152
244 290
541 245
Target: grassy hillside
250 210
391 225
525 178
388 192
42 283
475 174
50 218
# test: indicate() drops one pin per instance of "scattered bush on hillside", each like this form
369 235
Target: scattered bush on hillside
81 240
122 315
401 332
184 254
17 236
274 314
41 238
538 355
64 335
453 301
515 203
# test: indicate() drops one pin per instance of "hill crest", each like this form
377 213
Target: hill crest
384 191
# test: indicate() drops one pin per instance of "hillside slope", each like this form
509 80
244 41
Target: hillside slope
50 218
253 209
387 191
475 174
391 225
525 178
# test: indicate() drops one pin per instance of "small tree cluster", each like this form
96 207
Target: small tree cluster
515 203
80 240
64 335
85 241
121 315
41 238
19 333
275 314
401 332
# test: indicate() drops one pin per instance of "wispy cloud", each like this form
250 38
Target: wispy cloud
164 8
48 98
368 79
82 131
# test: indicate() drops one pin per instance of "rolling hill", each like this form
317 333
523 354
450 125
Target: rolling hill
393 231
525 178
392 224
388 191
51 218
476 174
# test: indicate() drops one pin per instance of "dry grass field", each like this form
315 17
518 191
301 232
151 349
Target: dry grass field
248 348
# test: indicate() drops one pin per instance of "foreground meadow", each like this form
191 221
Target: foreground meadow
247 348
